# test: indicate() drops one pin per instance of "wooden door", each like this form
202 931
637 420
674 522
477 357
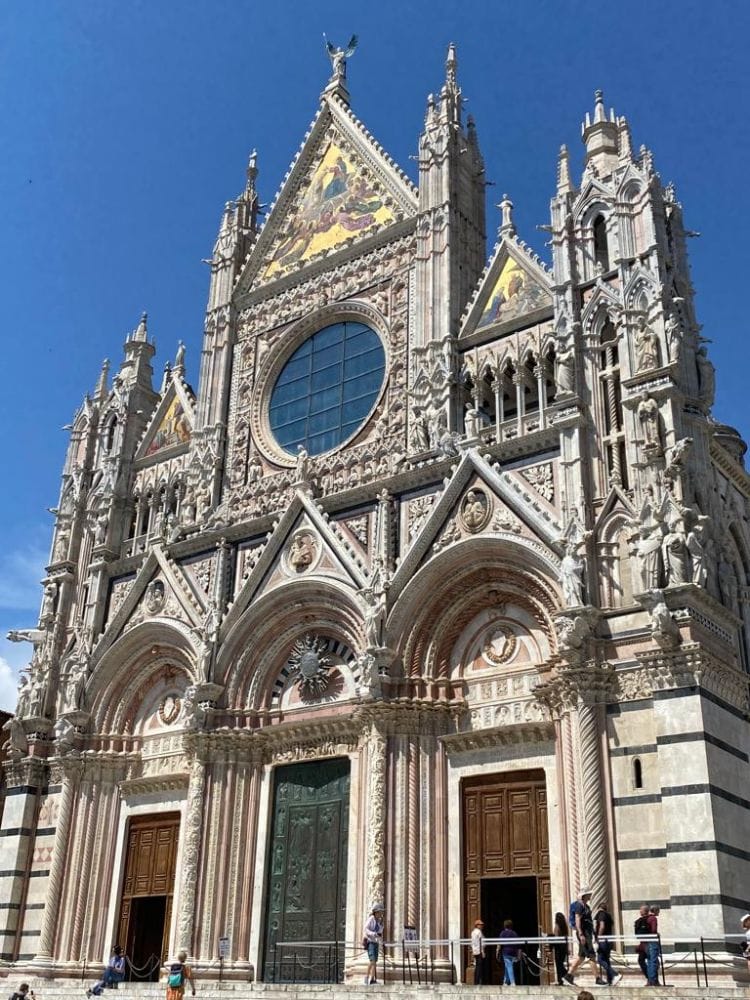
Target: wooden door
505 835
306 885
150 862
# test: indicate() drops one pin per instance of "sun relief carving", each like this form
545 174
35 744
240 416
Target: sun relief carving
499 644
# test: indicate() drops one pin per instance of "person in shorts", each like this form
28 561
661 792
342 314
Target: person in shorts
373 935
583 931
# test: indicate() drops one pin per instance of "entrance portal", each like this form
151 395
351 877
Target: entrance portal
306 885
148 885
506 859
512 899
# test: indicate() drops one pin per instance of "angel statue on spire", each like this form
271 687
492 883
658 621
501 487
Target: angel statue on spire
338 56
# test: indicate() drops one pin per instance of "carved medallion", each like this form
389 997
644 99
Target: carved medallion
302 551
155 596
475 511
169 709
307 659
499 644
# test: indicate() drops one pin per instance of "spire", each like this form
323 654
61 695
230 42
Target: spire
564 185
100 393
179 360
166 378
252 173
141 331
625 141
450 95
507 226
600 137
248 204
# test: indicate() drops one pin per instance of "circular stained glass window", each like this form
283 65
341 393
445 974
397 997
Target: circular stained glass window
327 388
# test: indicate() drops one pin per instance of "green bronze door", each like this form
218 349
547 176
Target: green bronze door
306 885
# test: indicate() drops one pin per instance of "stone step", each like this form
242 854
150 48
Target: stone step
212 990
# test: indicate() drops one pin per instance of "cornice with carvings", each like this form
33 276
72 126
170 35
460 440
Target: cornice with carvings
483 739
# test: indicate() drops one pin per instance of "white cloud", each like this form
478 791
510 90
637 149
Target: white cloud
8 683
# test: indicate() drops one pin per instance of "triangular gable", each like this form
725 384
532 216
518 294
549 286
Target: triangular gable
472 467
341 188
301 516
513 289
156 564
171 424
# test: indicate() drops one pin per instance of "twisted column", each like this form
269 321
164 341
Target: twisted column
50 920
191 854
595 838
412 843
376 747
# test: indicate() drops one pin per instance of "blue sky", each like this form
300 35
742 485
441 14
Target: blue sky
126 125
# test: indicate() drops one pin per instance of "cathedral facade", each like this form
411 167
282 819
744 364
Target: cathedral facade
434 593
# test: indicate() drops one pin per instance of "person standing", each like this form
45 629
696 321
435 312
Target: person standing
113 974
603 923
477 950
373 936
653 951
583 928
22 993
745 924
178 973
560 948
510 953
641 927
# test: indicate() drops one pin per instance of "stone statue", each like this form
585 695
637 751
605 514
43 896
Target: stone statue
179 358
676 456
194 712
673 333
73 682
664 630
648 417
648 546
565 370
60 550
338 56
706 377
48 603
697 544
646 347
189 506
301 551
302 467
18 745
420 440
254 469
473 422
675 553
35 635
100 528
374 617
24 695
571 574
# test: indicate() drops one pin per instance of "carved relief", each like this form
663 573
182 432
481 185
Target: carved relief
155 597
169 709
302 551
499 644
476 510
542 479
418 511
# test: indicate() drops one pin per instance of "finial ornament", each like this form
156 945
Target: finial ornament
338 56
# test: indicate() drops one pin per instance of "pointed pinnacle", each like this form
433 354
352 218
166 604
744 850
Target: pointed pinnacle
600 115
451 65
101 386
141 331
563 171
507 226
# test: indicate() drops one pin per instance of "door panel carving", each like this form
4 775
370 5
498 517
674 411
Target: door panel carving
306 890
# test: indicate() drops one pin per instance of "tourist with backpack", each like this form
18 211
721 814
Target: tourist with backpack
178 973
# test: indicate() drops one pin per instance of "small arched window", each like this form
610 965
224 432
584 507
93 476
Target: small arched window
637 773
601 248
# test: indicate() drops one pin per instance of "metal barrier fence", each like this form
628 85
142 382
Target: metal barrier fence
429 961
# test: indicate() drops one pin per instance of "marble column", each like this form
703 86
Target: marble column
376 751
595 847
60 860
191 855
